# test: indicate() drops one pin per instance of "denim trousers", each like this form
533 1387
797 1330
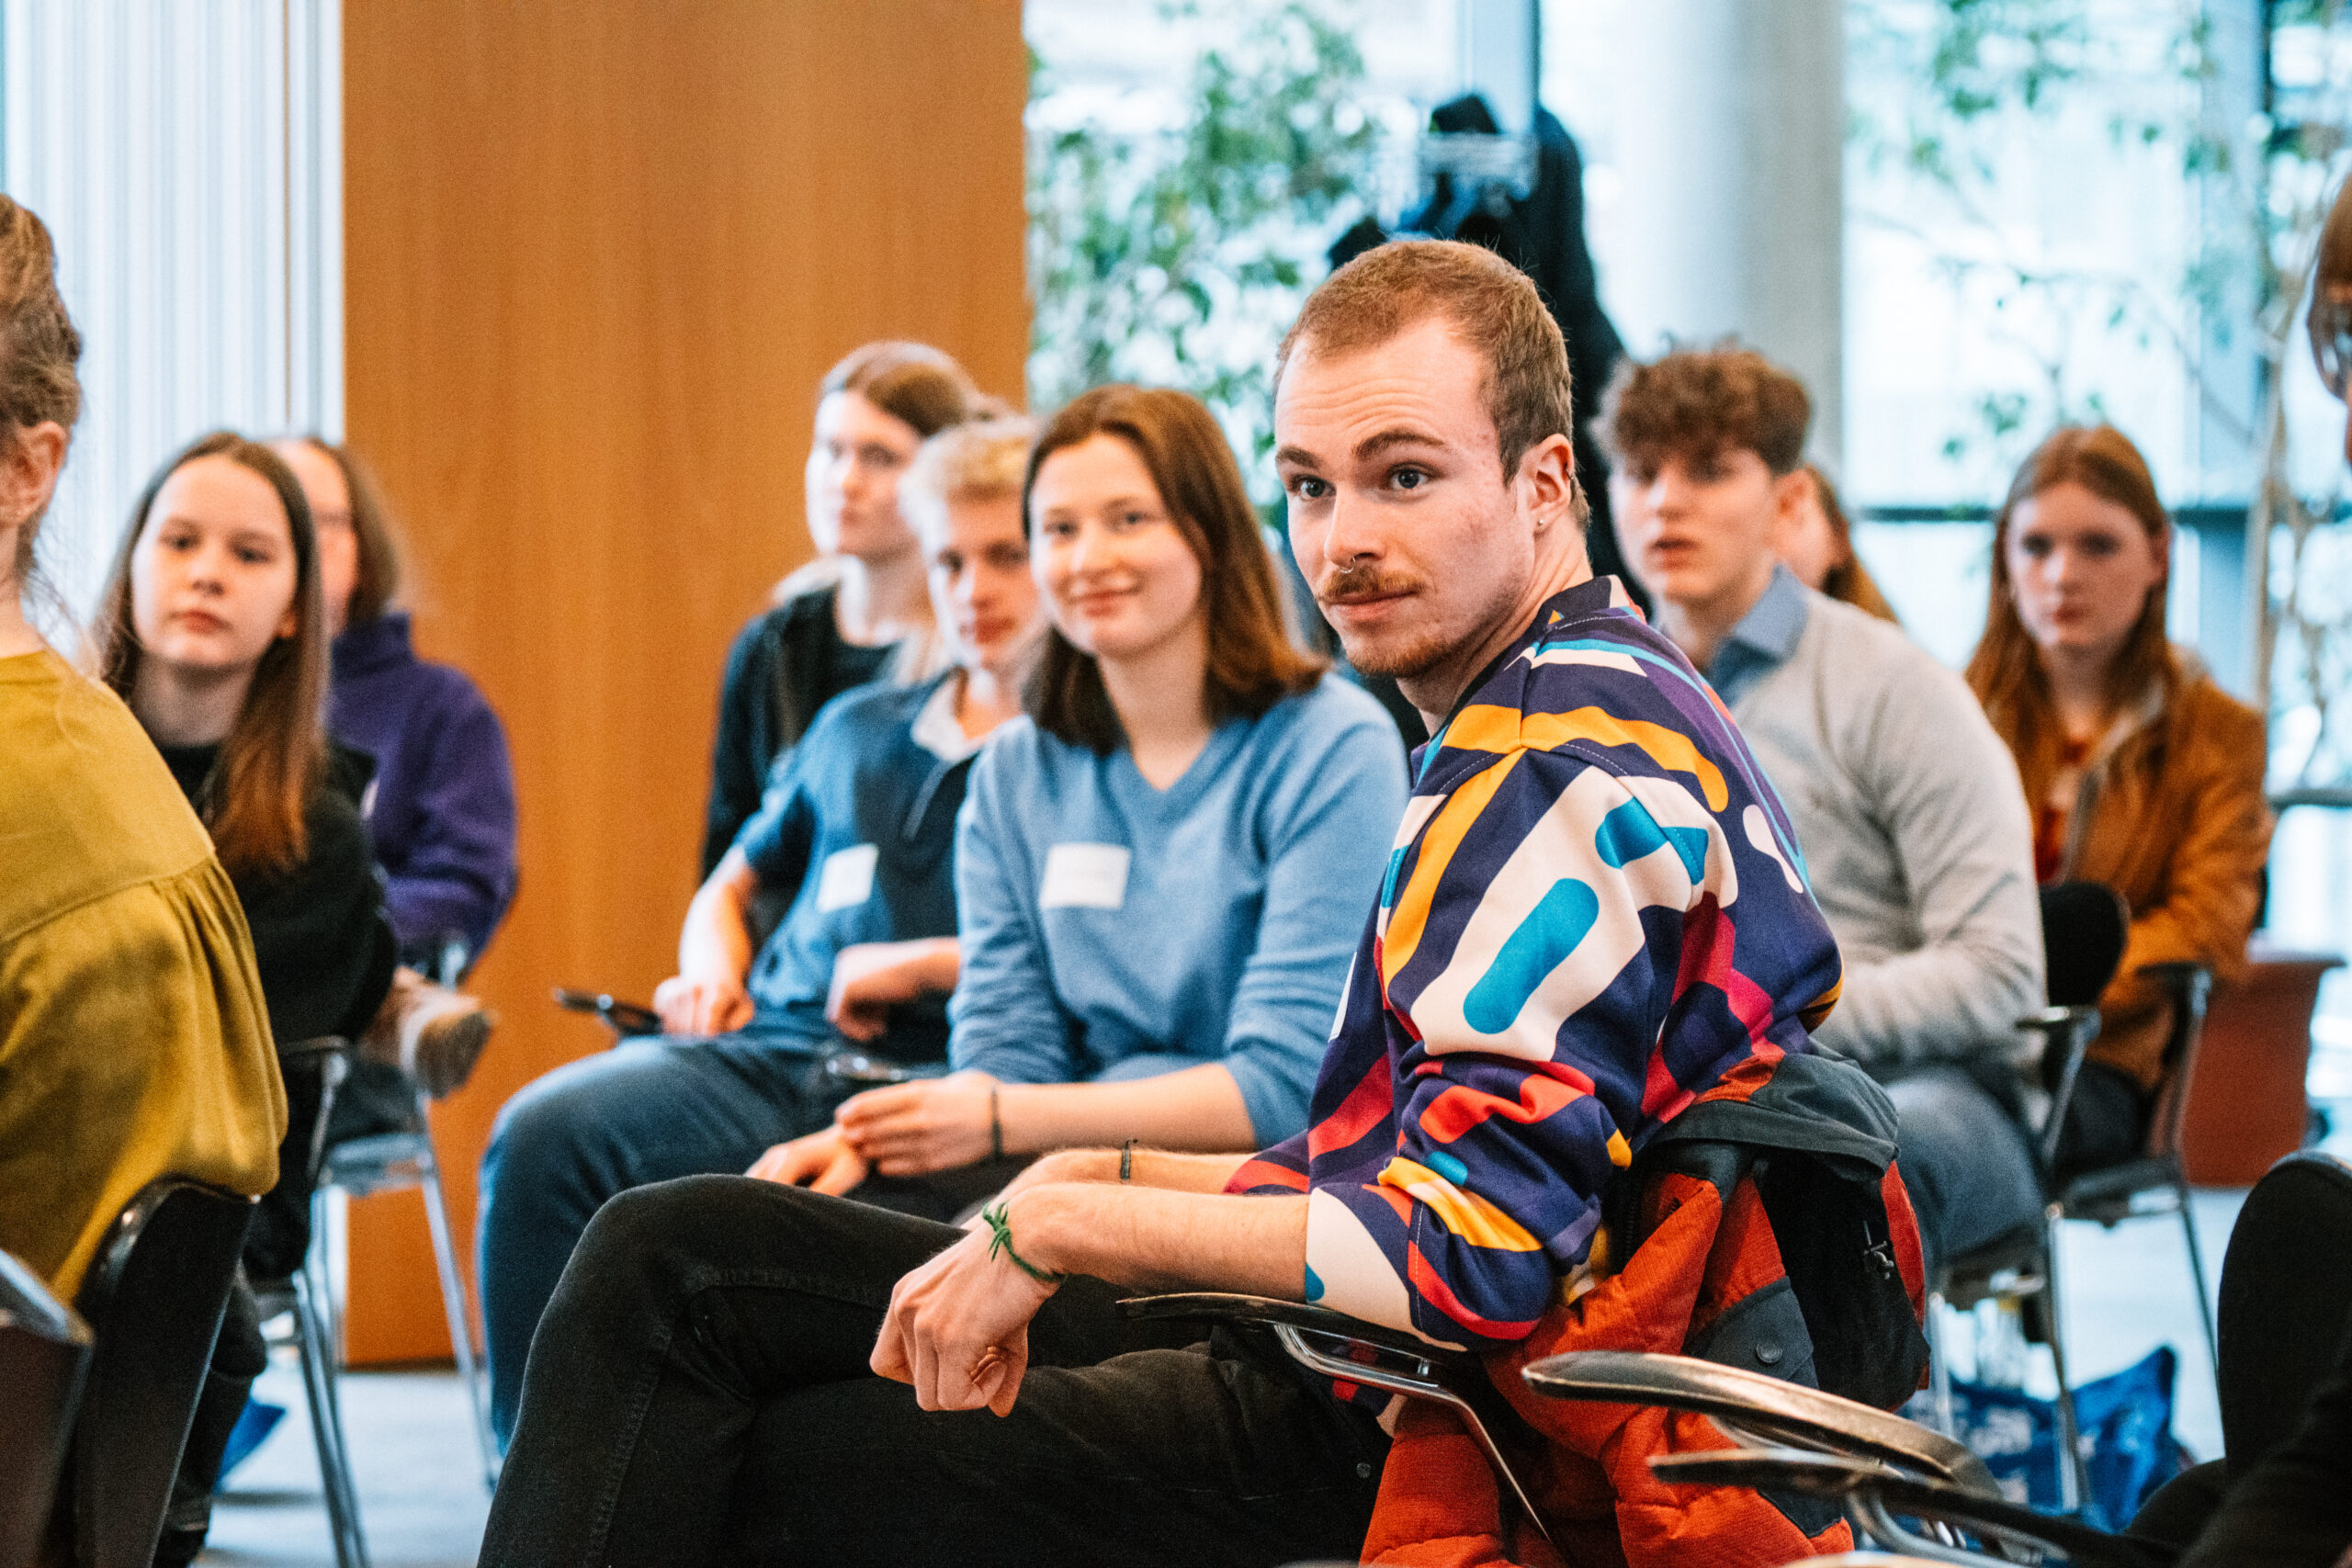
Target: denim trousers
1965 1162
699 1393
649 1111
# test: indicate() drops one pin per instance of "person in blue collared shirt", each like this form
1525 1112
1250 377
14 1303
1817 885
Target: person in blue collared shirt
856 829
1907 804
1162 870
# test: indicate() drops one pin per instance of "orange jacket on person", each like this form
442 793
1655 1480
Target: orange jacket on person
2170 814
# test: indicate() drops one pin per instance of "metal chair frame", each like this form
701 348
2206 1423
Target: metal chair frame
1336 1345
380 1163
1875 1464
2023 1266
392 1162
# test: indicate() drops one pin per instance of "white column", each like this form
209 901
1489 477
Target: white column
1498 48
1730 144
187 159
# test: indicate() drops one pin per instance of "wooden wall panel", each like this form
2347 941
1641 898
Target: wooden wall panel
596 258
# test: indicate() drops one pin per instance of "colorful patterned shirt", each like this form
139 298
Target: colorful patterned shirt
1595 909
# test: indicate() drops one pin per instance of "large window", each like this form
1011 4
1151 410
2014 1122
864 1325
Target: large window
188 160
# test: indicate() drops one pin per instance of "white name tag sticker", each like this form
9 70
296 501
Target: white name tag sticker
847 879
1084 877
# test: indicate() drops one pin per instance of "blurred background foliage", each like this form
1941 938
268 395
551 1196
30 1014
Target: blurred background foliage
1174 247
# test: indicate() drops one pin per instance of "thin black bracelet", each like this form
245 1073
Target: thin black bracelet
1128 1160
996 1128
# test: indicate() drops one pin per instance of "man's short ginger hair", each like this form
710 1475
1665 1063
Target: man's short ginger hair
1696 403
1492 304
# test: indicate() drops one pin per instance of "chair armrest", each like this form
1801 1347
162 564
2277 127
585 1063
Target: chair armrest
329 1056
1877 1492
622 1018
2067 1033
1785 1412
1218 1306
2177 975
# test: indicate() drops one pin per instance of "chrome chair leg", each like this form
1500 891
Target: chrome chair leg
2073 1472
453 1305
1939 1364
317 1354
2197 1276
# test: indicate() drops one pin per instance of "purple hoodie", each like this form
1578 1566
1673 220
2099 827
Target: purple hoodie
441 812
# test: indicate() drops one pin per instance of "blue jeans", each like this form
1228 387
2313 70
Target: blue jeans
1965 1162
647 1110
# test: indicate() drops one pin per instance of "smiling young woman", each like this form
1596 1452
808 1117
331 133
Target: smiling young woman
1162 871
2142 773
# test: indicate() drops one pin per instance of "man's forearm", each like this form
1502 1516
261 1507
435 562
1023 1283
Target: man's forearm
1155 1239
1162 1168
716 937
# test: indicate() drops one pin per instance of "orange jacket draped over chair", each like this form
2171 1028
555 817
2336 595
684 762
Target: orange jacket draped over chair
1707 1254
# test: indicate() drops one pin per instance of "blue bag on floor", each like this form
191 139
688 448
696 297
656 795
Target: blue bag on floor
2126 1420
254 1423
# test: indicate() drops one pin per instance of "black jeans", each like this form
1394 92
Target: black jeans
698 1392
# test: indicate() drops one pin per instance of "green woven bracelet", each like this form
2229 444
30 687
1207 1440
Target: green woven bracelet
1001 1222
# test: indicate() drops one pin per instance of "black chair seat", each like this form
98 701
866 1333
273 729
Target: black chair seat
2009 1265
154 1300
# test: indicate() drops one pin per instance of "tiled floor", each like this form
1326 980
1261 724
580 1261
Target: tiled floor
422 1500
422 1503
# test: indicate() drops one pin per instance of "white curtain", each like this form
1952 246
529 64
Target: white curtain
187 155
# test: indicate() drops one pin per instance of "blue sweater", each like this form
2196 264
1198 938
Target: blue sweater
857 828
1111 931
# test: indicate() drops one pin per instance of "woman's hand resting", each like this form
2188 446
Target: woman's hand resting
913 1129
823 1162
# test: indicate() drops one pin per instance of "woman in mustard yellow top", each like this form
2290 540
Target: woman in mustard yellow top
133 1042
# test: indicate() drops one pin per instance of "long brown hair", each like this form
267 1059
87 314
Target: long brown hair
38 349
1252 664
379 577
274 754
2006 672
1848 582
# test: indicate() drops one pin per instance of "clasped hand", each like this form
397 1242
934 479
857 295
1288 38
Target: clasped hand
909 1129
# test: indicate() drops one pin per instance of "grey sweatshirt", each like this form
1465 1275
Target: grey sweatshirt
1911 818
